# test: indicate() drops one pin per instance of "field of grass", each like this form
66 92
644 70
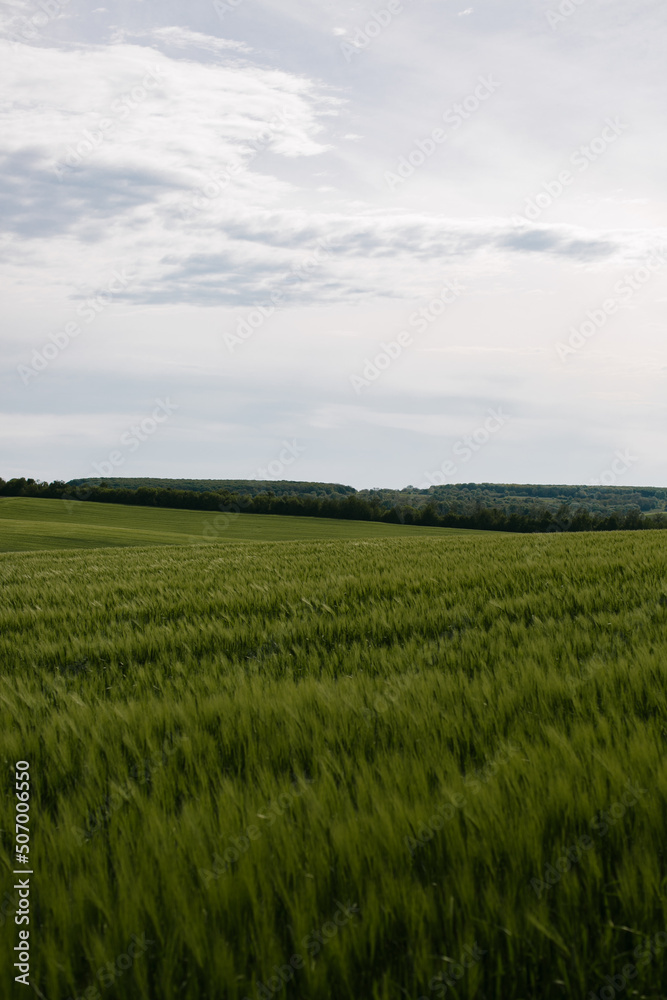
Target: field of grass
371 769
29 525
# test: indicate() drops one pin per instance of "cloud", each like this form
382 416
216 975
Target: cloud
330 258
144 131
197 183
238 169
183 38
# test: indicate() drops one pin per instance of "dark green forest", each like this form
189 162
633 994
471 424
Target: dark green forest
458 498
248 487
482 506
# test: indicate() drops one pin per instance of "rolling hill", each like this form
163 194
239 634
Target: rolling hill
29 524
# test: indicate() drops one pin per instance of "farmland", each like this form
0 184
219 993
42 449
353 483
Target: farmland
371 768
28 524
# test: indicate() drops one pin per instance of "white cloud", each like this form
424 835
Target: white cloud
182 38
196 191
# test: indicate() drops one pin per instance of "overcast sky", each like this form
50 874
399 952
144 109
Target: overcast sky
238 208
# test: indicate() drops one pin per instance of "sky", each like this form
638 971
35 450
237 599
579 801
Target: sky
387 243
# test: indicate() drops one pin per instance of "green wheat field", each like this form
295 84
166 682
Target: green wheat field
319 760
34 525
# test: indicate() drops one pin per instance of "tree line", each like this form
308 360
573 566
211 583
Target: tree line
459 498
352 507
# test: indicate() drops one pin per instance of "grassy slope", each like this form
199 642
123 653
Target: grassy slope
167 701
30 525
